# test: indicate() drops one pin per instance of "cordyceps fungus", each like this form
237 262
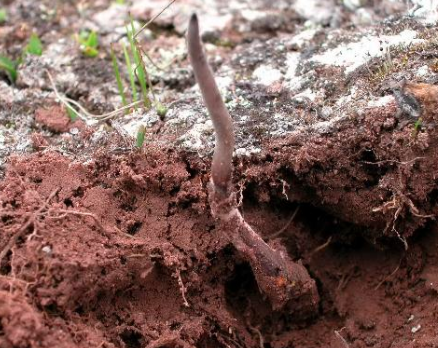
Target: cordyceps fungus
283 282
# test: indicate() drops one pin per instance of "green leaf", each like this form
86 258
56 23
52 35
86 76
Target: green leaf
131 73
3 15
90 52
92 40
34 46
161 110
120 2
140 69
9 66
83 36
72 113
140 136
89 42
118 77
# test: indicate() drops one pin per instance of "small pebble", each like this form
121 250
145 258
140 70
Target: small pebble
416 328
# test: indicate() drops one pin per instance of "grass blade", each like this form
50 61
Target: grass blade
34 46
118 78
140 69
130 72
9 66
72 113
140 136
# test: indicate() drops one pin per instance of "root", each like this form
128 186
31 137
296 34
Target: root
402 239
276 234
399 202
65 212
342 339
182 288
321 247
29 221
346 278
387 277
259 334
283 191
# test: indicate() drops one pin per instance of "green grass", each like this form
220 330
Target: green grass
72 113
89 43
3 15
34 46
139 71
118 78
161 110
417 127
140 136
10 67
131 73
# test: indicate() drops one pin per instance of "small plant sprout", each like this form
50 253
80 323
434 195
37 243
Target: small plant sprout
3 16
140 70
417 127
118 78
285 283
34 47
131 73
161 109
10 67
89 43
140 136
72 113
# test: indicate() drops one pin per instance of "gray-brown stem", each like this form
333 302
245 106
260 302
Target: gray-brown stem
223 125
281 280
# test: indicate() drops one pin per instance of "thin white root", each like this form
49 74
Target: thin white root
182 288
83 114
338 335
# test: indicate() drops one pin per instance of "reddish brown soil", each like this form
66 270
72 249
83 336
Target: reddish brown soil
122 251
55 119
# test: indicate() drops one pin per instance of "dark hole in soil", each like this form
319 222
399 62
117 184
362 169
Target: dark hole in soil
239 285
123 260
175 325
80 310
68 202
37 180
432 197
372 167
209 342
6 218
132 339
22 239
5 264
134 228
174 191
79 192
127 207
52 309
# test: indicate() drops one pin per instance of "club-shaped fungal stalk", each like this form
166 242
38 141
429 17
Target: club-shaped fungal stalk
281 280
221 167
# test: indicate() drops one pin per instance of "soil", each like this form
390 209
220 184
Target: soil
107 245
122 252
